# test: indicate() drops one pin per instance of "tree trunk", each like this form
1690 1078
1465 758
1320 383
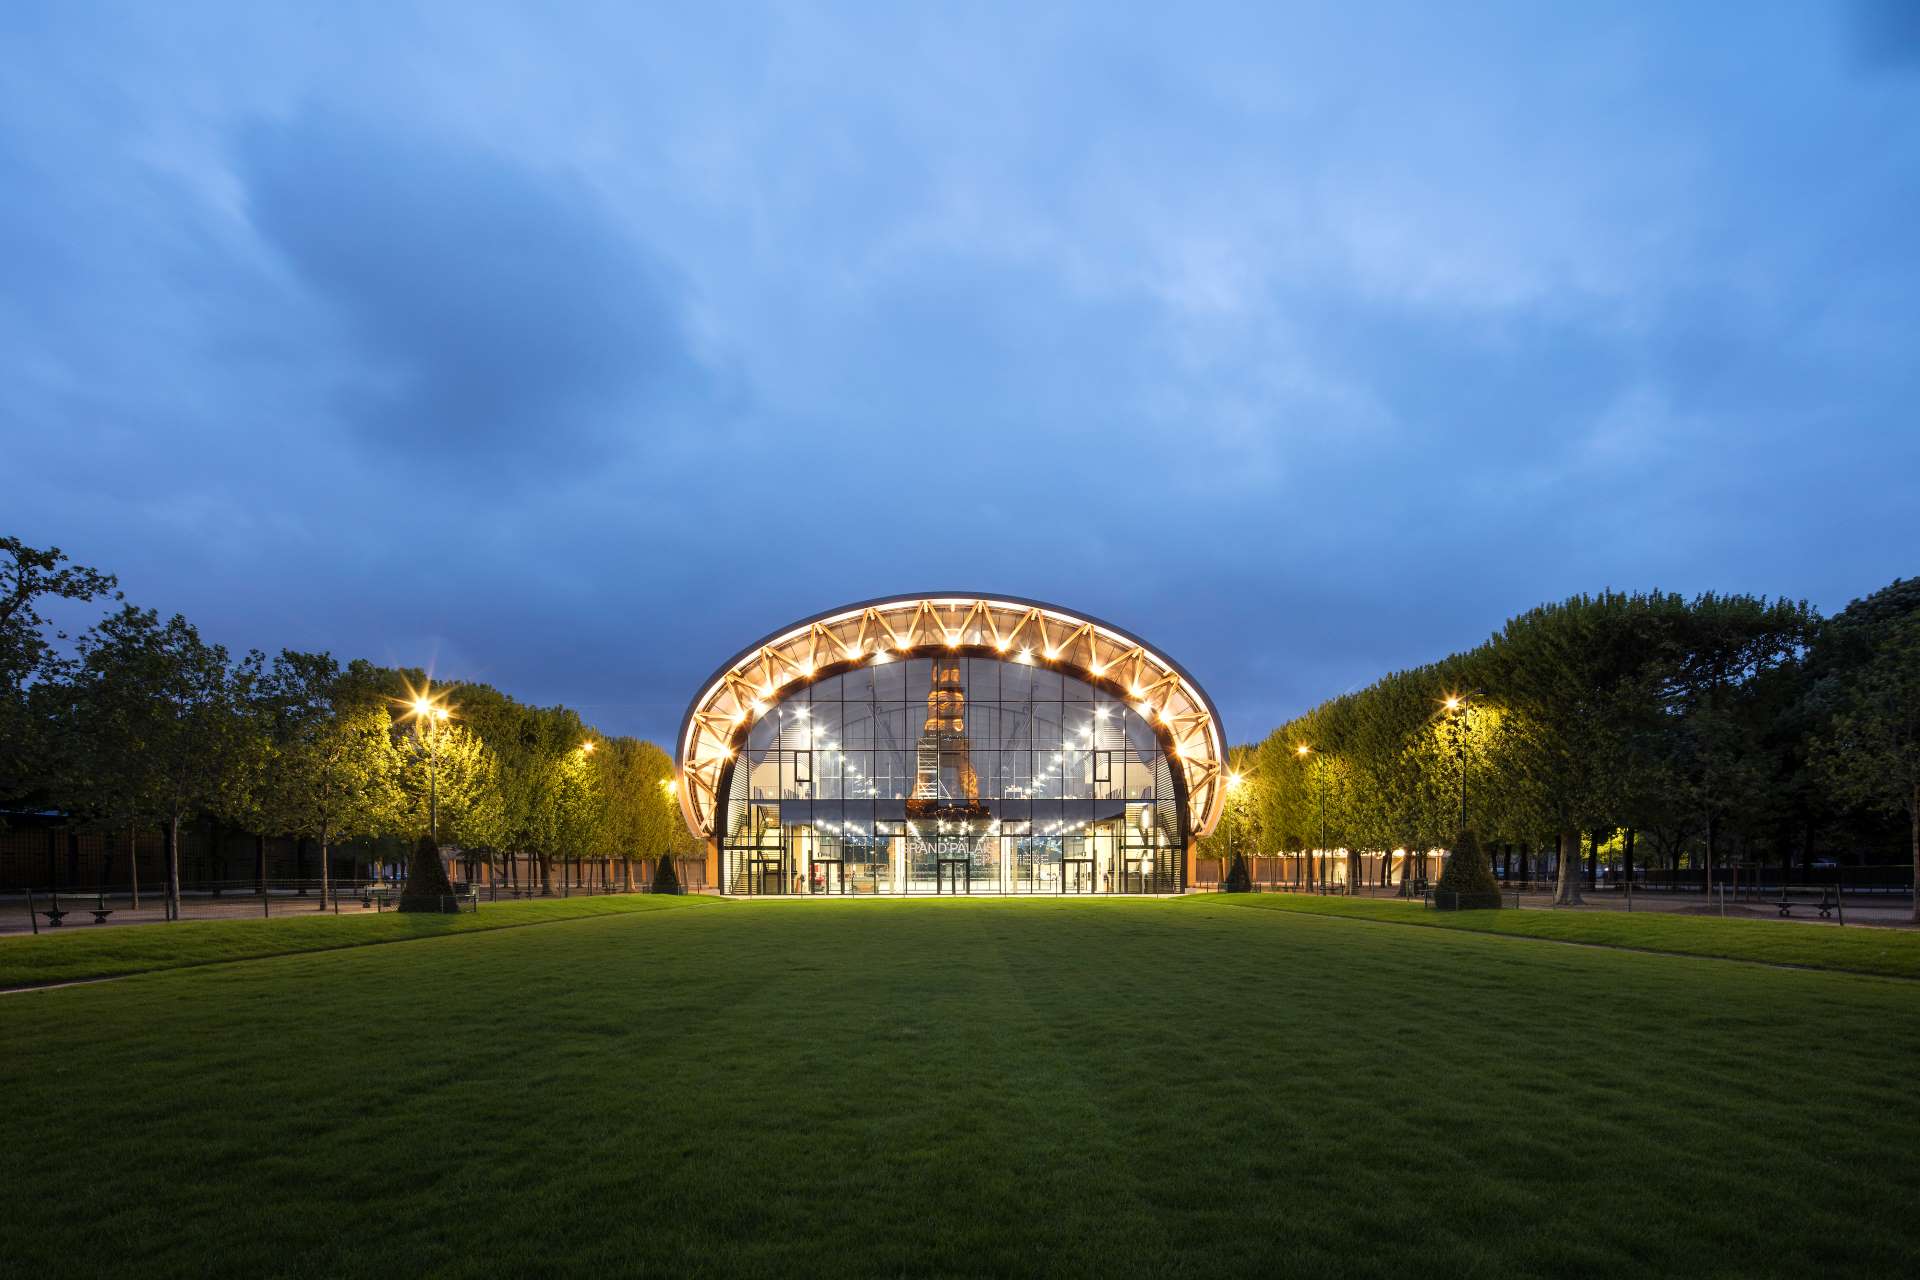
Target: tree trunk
133 864
325 871
1627 847
1707 861
1913 812
260 862
546 875
173 864
1567 888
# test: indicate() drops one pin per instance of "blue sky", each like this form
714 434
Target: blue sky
573 347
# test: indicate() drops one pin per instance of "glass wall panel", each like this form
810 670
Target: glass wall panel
950 774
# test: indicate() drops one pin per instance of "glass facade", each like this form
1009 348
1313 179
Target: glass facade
951 774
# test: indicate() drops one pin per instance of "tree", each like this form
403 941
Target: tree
165 713
29 576
451 768
1870 753
1579 682
335 769
639 816
1727 656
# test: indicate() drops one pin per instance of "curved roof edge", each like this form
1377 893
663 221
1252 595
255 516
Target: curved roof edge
700 752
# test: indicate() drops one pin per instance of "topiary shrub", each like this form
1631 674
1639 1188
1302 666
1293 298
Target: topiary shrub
665 878
1239 879
1466 883
427 887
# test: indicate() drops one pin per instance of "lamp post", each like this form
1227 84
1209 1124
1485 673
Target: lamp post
1235 781
1320 796
428 717
1233 789
1458 709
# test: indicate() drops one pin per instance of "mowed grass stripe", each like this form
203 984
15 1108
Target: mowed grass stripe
80 954
1888 952
964 1088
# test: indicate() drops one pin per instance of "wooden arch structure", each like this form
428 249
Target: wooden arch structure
715 726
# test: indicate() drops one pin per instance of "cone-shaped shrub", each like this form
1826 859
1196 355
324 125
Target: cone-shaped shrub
1239 879
665 878
427 888
1466 883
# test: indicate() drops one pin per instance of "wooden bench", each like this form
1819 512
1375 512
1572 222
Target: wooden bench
1828 904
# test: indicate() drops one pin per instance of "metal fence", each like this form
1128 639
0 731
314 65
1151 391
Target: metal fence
37 910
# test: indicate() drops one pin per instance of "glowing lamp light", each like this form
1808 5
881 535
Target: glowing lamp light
1453 702
587 747
1302 749
421 707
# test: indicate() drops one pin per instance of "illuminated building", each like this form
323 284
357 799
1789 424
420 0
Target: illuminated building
950 744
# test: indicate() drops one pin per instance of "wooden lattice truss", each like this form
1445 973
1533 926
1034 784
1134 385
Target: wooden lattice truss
716 724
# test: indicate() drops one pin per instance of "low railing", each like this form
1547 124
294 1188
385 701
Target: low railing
36 909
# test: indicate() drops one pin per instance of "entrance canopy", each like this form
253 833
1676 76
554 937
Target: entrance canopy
1013 630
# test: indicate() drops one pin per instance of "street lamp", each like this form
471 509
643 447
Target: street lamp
1457 716
1235 781
429 717
1320 795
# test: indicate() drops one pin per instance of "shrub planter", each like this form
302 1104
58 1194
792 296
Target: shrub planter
665 878
1239 879
1466 882
427 887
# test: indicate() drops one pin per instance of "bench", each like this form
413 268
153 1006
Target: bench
1828 904
54 916
100 913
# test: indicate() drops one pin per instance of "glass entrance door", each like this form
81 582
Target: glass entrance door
951 876
766 874
827 875
1076 875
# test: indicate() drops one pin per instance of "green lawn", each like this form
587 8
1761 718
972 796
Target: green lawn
1180 1087
1891 952
72 955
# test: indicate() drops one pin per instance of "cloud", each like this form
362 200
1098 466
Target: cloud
504 323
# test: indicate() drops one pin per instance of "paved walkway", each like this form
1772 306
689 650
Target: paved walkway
79 909
1861 909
